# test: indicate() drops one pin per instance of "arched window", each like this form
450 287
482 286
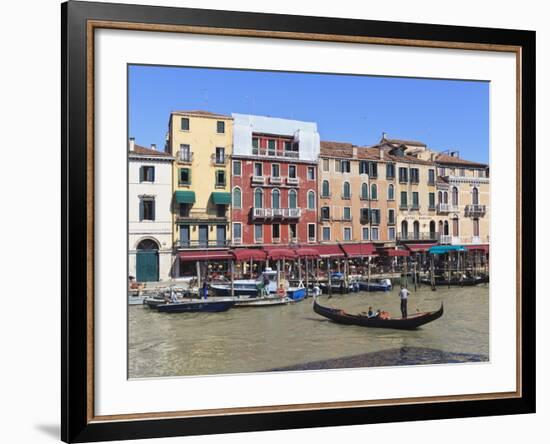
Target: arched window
391 192
439 197
326 188
440 227
147 244
446 228
445 197
364 191
292 199
416 229
311 200
475 196
373 192
258 198
455 227
432 229
476 227
346 191
237 197
404 229
275 198
455 196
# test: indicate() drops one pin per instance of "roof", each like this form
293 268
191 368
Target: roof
138 149
452 160
402 142
202 113
336 149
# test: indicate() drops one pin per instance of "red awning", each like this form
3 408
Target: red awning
276 253
419 248
307 252
392 252
483 247
245 254
358 250
205 255
329 250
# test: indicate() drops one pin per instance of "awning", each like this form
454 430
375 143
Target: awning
205 255
358 250
393 252
276 253
220 198
307 252
329 250
245 254
482 247
185 197
442 249
419 248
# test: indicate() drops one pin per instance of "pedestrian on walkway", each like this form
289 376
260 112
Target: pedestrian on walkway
404 295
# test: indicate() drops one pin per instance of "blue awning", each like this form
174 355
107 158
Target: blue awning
442 249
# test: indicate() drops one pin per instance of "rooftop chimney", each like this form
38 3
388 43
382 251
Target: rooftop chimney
354 151
384 135
455 154
131 144
154 146
381 153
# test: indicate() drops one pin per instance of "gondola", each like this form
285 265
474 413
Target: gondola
410 323
212 306
457 282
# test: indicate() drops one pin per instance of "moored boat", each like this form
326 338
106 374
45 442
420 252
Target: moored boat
204 305
409 323
375 285
464 281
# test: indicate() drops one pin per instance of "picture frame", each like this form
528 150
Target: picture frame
80 20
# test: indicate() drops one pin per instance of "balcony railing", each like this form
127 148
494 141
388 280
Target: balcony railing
416 236
276 213
196 244
326 196
274 153
475 210
292 180
447 208
445 239
184 157
276 180
218 159
258 179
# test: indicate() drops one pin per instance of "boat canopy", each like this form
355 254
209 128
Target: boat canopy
442 249
245 254
359 250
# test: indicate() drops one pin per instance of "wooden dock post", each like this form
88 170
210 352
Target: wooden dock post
232 271
449 269
329 277
198 267
414 277
432 271
307 275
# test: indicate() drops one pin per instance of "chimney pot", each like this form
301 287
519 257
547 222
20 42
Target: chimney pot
132 143
381 152
154 146
354 151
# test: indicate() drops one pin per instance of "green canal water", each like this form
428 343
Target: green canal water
244 340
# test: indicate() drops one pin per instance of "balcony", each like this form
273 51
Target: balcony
218 160
276 213
184 157
276 180
414 236
275 153
445 239
446 208
292 180
326 196
201 244
258 179
475 210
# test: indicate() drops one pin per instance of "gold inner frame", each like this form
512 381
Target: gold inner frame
92 25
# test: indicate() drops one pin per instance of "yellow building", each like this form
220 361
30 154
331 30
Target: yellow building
201 143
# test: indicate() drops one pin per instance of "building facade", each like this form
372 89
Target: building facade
149 213
273 181
201 143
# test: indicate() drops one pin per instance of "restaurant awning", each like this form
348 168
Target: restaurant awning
481 247
358 250
307 252
419 248
329 250
245 254
276 253
205 255
221 198
442 249
393 252
185 197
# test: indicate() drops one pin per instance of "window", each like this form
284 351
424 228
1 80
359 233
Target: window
431 177
276 232
185 176
293 232
147 174
147 209
416 229
347 213
404 230
390 171
325 189
442 171
237 232
403 203
237 198
347 233
236 168
476 227
345 166
255 145
415 176
439 197
475 196
374 233
364 191
391 233
311 200
391 192
373 169
445 197
310 173
391 216
325 213
346 191
220 155
455 227
292 171
275 199
326 165
220 210
271 147
275 170
431 201
220 178
258 198
462 172
185 152
363 167
364 215
184 210
258 169
365 233
415 203
258 233
292 199
326 233
338 165
403 175
184 124
311 232
220 127
375 216
374 192
455 196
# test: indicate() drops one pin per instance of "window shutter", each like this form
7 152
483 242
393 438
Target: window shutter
152 174
152 210
140 210
141 174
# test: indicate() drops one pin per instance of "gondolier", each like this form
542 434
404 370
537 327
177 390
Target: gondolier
404 295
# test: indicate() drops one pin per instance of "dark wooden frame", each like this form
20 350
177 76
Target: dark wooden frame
79 19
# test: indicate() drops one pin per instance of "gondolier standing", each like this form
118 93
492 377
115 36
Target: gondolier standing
404 295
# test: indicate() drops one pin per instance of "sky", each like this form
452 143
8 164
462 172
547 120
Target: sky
444 114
